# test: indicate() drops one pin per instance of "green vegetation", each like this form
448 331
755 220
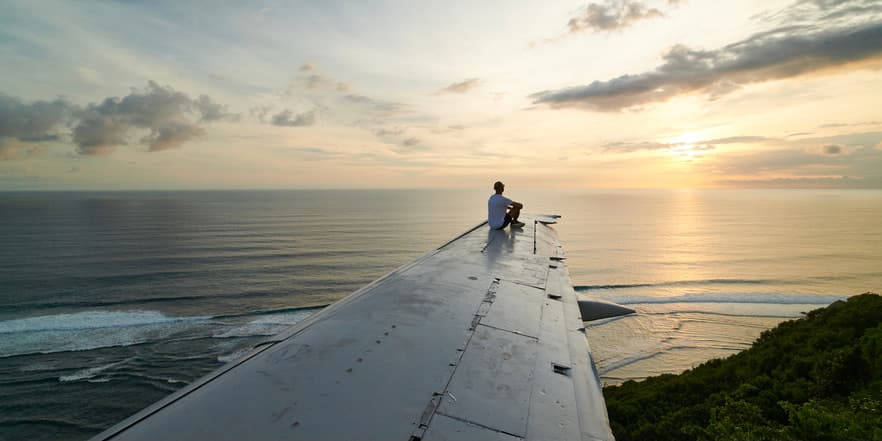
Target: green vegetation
815 378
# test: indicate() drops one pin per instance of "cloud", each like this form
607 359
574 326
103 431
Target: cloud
837 125
261 112
311 81
170 119
830 12
710 144
382 107
810 161
782 53
212 111
832 149
613 15
171 135
28 123
410 145
384 132
803 182
284 119
460 87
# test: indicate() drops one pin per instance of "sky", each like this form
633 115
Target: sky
449 94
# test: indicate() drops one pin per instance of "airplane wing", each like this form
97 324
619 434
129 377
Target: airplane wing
481 338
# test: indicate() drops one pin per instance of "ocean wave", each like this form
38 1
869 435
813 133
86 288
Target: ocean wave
234 356
90 373
739 297
90 320
269 324
88 330
582 288
140 301
310 309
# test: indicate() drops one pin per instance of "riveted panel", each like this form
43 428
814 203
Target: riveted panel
491 386
516 308
448 429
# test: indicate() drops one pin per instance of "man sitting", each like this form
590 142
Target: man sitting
502 211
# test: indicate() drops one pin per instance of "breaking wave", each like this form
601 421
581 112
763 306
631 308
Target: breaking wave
676 283
88 330
723 297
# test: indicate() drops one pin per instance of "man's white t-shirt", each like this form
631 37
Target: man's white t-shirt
496 210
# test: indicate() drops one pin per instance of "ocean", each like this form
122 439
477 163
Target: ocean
111 300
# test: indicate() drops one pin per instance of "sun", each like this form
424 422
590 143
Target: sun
687 147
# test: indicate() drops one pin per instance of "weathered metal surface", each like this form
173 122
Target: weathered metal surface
448 429
479 339
553 413
497 368
516 308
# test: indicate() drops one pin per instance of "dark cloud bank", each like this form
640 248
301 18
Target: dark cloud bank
785 52
157 117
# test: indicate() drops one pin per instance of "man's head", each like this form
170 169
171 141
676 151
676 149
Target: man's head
499 187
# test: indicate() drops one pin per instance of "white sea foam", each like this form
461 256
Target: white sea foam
90 373
735 298
270 324
88 330
234 356
669 337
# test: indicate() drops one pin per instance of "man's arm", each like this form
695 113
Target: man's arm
517 205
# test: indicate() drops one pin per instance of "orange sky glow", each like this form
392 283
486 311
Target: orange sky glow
570 94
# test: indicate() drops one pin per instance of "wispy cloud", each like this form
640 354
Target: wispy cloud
828 12
609 16
310 79
286 118
460 87
710 144
803 182
612 15
845 160
383 108
170 119
856 124
410 145
785 52
832 149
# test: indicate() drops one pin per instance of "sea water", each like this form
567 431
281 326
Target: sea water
111 300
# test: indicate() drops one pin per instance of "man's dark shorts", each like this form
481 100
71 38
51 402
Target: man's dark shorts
505 224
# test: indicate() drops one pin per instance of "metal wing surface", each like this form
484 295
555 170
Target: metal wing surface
481 338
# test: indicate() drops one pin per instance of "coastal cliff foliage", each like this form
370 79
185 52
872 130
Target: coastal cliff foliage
815 378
